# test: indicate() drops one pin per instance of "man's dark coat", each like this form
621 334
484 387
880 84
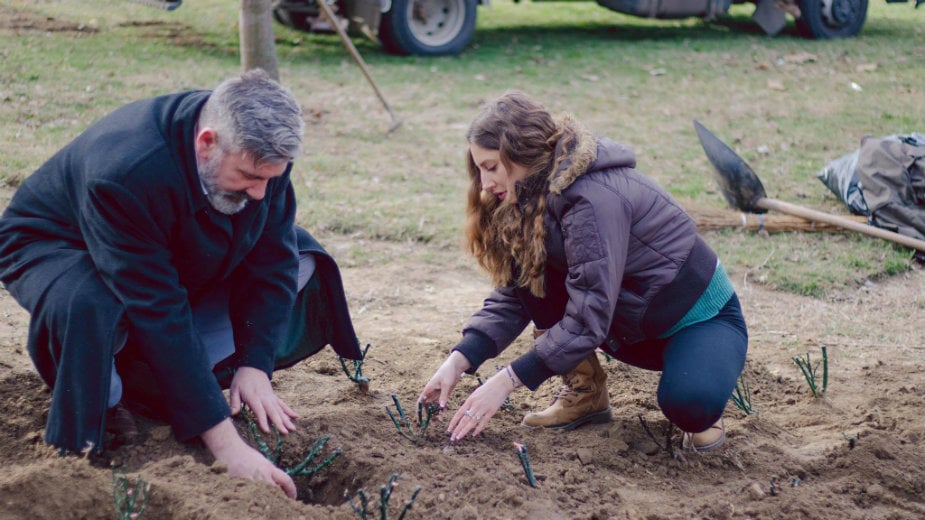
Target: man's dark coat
113 237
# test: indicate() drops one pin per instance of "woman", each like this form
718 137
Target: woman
596 255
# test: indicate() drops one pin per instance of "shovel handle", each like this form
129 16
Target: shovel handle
818 216
329 13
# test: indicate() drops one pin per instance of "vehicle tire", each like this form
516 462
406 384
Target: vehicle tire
825 19
428 27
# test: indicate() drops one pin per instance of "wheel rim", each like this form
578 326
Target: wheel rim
436 22
840 13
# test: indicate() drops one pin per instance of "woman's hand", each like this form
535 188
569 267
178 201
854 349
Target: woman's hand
252 386
228 448
481 406
444 380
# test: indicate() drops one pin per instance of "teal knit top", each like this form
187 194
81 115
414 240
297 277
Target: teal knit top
710 302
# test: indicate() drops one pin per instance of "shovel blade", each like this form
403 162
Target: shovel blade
740 185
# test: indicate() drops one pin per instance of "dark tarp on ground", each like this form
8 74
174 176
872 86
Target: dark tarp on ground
885 180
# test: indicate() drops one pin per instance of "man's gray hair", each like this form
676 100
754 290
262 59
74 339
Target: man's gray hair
256 115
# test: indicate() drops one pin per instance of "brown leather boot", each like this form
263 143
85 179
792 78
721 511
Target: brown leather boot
582 399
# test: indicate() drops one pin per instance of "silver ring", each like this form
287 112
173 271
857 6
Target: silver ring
468 413
477 417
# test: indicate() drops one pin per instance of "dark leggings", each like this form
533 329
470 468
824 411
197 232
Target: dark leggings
700 365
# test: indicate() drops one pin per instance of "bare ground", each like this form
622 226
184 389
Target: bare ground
856 453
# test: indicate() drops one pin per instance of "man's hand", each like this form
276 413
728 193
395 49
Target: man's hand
243 461
252 386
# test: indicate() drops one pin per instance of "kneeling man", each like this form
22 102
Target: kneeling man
158 257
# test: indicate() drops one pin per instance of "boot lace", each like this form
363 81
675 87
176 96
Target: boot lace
569 391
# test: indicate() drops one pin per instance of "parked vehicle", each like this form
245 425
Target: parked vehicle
442 27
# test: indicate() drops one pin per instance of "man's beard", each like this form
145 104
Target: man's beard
227 202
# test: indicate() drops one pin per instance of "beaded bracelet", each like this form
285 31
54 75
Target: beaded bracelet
514 382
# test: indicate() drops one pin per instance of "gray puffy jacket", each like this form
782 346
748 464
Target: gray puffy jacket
621 253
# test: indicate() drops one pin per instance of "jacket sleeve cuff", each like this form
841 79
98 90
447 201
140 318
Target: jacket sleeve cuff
477 348
531 370
198 423
260 360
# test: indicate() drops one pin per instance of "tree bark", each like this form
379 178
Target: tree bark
258 46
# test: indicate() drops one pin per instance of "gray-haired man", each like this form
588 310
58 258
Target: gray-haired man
158 257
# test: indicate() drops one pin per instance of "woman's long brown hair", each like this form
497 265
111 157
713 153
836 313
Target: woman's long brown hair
507 239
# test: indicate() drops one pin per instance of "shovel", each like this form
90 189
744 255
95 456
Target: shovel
744 192
329 13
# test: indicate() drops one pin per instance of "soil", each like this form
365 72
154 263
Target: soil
857 452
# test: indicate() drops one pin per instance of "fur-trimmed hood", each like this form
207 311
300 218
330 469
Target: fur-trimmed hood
580 154
584 154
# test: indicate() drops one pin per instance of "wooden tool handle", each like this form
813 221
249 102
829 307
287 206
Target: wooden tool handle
818 216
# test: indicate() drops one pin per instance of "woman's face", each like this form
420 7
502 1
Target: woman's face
495 178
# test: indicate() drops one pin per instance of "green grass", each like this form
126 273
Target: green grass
639 81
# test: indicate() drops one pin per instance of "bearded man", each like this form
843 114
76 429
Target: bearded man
159 260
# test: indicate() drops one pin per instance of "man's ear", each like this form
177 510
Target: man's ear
206 142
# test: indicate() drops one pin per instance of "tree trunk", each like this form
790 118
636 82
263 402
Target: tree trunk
258 46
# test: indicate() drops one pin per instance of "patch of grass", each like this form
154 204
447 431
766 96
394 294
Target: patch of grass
636 80
811 264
